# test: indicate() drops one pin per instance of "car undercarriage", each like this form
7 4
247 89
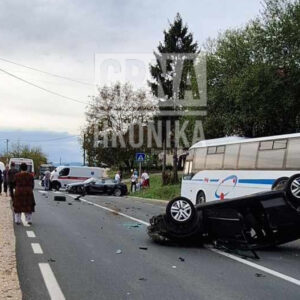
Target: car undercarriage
246 223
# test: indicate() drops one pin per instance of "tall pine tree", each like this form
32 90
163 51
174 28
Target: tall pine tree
177 40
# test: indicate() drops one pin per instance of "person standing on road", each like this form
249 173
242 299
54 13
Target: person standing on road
5 179
133 180
11 179
118 177
47 180
23 201
1 180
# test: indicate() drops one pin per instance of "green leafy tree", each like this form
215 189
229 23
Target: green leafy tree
25 151
177 40
254 75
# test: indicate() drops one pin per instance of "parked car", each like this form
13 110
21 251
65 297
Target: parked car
98 186
246 223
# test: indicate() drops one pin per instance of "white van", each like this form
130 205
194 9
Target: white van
18 161
64 175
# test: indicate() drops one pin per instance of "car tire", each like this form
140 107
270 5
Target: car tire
280 183
164 232
180 210
200 198
79 189
56 185
117 192
292 189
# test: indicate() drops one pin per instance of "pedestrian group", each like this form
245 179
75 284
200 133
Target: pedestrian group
20 185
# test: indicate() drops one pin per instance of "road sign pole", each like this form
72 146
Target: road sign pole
140 169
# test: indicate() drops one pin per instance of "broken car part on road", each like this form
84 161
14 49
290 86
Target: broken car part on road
246 223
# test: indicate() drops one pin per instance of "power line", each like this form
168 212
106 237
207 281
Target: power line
42 88
50 140
48 73
42 141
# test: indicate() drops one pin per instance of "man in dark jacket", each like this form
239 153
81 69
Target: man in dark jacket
1 180
11 179
5 179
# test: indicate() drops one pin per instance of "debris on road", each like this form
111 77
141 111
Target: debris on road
119 251
174 267
143 248
181 258
70 203
132 225
60 198
259 275
51 260
143 279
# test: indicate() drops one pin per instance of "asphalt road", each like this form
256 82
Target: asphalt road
75 256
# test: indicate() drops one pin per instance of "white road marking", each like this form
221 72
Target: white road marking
258 267
37 249
113 211
24 220
238 259
30 234
52 285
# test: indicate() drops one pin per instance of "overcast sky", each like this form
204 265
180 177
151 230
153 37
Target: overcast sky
62 37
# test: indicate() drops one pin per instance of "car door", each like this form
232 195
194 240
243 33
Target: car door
99 186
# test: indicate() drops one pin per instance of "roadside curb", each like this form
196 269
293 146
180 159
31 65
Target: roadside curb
149 199
9 280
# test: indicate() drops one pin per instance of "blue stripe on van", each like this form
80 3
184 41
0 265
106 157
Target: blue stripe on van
257 181
248 181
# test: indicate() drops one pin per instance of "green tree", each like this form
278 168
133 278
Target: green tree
254 75
25 151
177 40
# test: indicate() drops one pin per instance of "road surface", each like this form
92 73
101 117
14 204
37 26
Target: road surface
87 250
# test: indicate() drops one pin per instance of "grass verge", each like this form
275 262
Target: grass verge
157 190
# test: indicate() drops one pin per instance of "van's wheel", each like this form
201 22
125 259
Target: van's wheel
279 184
200 197
181 210
117 192
56 185
293 190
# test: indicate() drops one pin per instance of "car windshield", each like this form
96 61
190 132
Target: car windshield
90 180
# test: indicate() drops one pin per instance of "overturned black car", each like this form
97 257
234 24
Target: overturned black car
246 223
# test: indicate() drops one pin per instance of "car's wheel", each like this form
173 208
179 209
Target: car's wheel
200 197
279 184
56 185
79 189
117 192
293 190
180 210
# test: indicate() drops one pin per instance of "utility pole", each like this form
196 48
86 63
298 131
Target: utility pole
84 149
7 140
